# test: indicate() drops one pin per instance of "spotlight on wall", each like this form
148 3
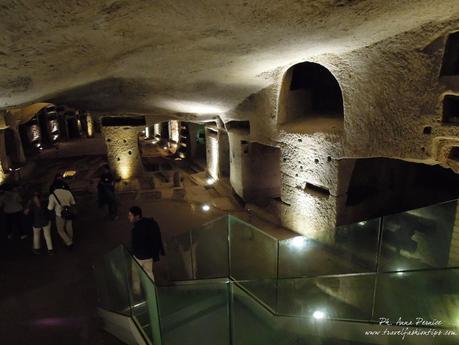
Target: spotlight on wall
124 171
298 242
318 315
205 207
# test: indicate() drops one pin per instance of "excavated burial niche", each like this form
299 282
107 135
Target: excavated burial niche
310 100
451 110
450 65
454 154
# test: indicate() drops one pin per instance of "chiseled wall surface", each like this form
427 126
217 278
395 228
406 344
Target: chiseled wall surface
123 150
212 152
391 91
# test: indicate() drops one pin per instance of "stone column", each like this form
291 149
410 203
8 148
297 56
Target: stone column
212 152
156 129
174 130
90 125
123 150
238 144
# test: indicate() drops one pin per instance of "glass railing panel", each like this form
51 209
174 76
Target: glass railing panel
195 313
252 324
423 238
179 257
353 249
430 295
111 276
210 249
253 256
336 297
143 297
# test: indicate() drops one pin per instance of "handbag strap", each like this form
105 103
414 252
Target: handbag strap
57 199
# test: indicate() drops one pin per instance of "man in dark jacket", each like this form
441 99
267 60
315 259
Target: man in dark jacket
146 242
106 192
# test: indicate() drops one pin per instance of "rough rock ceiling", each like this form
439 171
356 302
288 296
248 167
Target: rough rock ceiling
196 57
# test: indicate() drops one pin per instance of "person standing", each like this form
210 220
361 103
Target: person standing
58 181
11 202
59 200
106 193
40 221
146 242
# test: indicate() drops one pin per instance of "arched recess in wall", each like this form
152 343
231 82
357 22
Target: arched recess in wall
310 100
450 64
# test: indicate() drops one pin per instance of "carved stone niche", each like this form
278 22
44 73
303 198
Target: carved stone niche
446 151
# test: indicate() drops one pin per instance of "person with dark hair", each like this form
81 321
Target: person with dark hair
58 181
60 200
106 192
11 202
40 221
146 242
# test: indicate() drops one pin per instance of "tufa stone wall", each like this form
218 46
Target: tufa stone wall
393 107
123 150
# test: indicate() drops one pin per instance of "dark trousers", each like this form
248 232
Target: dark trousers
112 208
14 223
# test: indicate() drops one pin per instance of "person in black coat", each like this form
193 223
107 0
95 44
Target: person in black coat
146 242
106 193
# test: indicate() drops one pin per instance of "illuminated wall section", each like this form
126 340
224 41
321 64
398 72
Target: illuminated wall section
90 122
123 150
174 130
2 174
157 129
212 152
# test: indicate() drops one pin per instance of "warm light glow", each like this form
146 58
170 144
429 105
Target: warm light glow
191 107
210 181
157 129
54 126
212 159
318 315
174 130
69 173
90 123
147 132
2 174
205 208
125 172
